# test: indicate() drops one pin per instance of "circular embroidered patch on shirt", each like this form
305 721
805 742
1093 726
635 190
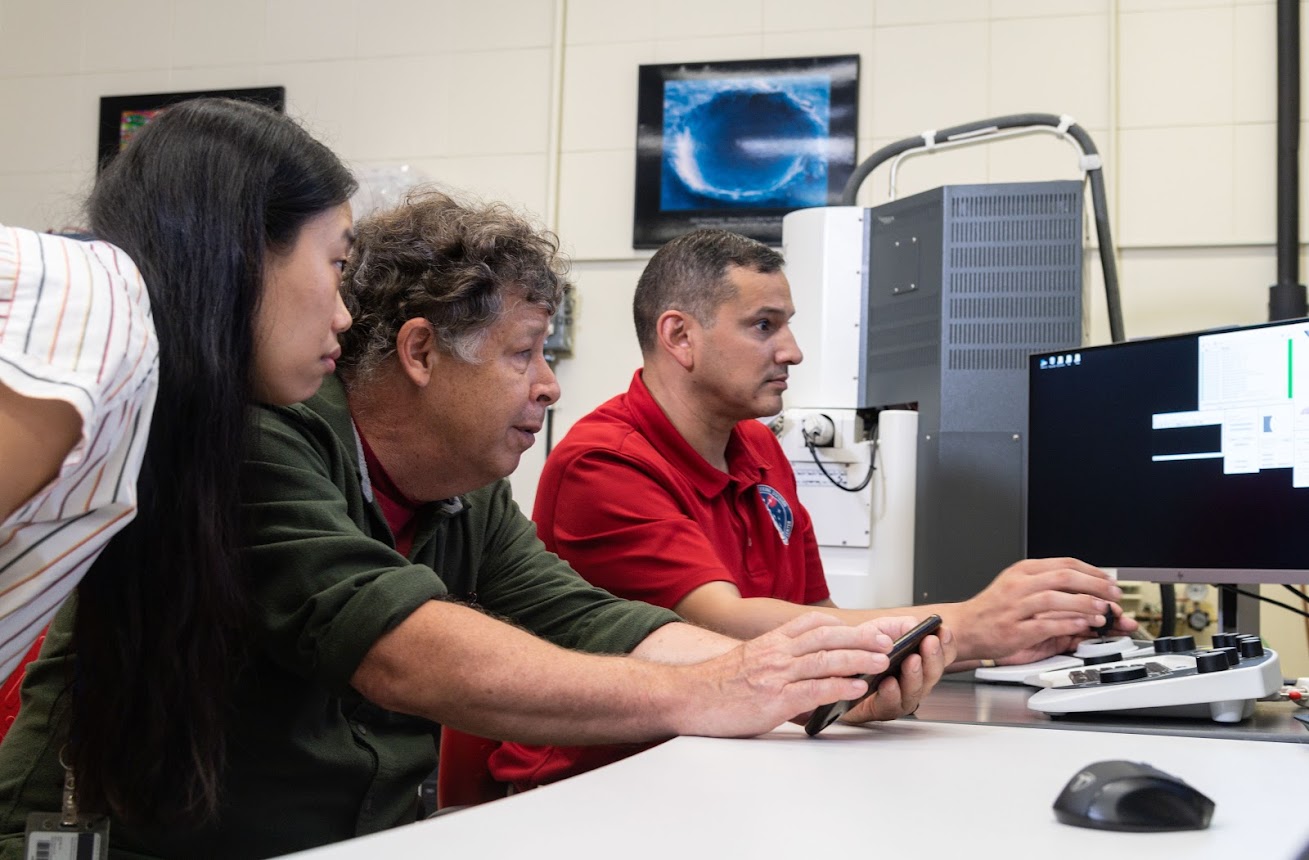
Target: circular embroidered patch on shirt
779 510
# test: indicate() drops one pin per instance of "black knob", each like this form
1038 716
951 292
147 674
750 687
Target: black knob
1119 674
1094 660
1225 640
1251 648
1161 644
1210 661
1182 643
1233 656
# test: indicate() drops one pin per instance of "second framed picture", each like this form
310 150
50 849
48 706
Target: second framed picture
121 117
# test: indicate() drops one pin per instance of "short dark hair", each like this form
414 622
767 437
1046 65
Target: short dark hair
448 262
690 274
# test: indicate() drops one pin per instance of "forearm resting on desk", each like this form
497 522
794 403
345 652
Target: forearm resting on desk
680 644
1031 610
454 665
719 606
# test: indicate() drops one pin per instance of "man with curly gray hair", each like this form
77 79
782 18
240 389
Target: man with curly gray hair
386 549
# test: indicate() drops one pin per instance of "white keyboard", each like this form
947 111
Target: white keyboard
1173 681
1089 652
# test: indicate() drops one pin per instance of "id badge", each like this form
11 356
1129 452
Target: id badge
48 838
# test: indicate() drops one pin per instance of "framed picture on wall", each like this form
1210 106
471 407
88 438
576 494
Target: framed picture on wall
739 144
123 116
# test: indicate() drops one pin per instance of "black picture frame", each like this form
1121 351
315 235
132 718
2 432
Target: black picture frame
121 116
738 144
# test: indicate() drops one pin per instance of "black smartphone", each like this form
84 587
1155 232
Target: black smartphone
902 648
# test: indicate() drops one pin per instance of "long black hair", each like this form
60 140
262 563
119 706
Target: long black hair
197 200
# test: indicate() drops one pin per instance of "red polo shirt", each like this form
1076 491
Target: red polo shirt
637 511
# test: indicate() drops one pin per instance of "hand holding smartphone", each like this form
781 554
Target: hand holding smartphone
902 647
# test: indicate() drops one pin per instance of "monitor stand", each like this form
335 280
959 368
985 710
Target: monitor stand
1232 606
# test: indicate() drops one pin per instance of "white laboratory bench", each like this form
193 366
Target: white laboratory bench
909 788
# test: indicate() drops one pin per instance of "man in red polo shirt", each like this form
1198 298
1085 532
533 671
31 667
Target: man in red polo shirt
673 494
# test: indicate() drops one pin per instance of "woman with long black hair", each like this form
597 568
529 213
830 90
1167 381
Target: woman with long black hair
240 223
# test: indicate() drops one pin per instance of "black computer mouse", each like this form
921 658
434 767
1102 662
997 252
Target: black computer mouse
1129 795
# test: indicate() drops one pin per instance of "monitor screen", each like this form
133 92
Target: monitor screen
1181 458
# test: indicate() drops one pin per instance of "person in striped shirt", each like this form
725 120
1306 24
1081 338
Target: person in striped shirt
79 368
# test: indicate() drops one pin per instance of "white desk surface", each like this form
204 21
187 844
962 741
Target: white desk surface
904 789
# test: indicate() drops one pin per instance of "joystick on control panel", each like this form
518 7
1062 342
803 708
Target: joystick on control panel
1110 619
1175 679
1089 652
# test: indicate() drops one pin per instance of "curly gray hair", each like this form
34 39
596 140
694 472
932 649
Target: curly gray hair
448 262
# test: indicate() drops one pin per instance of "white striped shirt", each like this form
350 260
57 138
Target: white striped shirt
75 326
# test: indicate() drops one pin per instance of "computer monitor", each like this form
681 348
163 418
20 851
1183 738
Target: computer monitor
1175 459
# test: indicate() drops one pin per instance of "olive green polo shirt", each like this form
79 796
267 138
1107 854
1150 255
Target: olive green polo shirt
312 761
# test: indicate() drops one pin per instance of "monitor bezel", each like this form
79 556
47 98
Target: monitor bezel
1212 575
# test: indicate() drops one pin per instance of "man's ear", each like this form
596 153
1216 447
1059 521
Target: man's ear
415 349
676 334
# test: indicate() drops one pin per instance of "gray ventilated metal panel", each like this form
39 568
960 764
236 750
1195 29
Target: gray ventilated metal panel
963 282
1019 249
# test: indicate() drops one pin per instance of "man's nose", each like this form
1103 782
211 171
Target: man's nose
788 350
546 388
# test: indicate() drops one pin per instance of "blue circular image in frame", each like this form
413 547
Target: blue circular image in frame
758 143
